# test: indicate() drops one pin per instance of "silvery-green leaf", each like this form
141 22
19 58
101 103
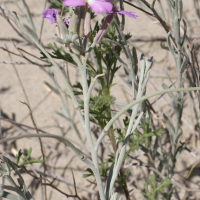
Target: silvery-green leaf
4 167
59 40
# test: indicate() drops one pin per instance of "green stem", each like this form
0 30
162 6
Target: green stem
100 70
63 6
28 14
179 106
106 93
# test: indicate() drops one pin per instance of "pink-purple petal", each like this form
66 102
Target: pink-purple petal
99 6
129 14
67 22
74 3
90 1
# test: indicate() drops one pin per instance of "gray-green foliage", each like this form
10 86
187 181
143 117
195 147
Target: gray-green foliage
22 191
27 159
155 187
138 133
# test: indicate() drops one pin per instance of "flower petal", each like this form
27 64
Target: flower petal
99 6
67 22
50 14
74 3
129 14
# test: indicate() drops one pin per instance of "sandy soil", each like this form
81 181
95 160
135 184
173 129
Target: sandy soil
45 103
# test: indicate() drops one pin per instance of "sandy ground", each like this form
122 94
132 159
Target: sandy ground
45 103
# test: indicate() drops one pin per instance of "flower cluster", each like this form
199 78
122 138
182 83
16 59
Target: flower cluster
98 6
51 15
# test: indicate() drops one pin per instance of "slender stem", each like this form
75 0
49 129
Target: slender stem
87 129
163 23
179 107
41 146
148 13
92 84
100 70
131 70
63 6
109 124
28 15
119 162
106 93
42 24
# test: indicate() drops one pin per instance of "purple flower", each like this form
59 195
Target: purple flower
67 22
98 6
50 14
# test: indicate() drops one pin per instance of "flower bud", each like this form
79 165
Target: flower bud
87 23
104 27
63 28
73 27
82 14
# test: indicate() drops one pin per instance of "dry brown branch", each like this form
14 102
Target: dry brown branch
51 183
41 145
